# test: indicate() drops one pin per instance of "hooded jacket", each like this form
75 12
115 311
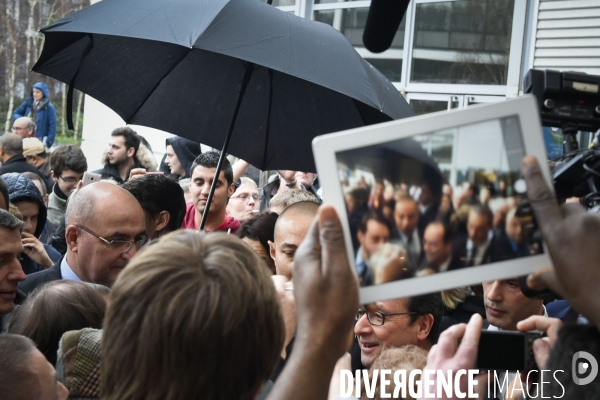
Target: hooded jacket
186 151
45 115
22 188
142 159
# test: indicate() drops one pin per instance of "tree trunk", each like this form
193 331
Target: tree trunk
12 20
63 124
78 115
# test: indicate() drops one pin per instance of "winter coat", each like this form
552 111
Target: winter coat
186 151
22 188
45 118
143 159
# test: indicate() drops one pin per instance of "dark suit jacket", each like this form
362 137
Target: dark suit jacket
39 278
17 163
455 264
491 254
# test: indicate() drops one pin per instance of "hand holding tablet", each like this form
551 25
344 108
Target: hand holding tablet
437 162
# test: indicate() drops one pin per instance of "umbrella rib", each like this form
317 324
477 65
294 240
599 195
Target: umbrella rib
270 72
159 82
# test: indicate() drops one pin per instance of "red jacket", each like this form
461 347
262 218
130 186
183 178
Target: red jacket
230 225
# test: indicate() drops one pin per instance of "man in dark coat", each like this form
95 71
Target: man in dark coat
105 228
11 156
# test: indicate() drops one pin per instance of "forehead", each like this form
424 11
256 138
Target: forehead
434 232
247 188
393 306
20 123
292 228
69 173
170 149
117 141
10 240
206 174
476 218
406 206
374 226
28 207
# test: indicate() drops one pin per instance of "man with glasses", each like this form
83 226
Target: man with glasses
245 201
105 227
396 323
67 164
24 127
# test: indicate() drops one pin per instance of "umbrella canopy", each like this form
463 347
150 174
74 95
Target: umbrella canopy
178 66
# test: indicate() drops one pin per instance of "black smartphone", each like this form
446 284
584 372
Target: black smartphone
506 351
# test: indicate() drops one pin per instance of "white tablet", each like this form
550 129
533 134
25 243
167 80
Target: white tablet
460 173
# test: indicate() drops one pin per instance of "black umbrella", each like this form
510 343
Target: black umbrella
208 70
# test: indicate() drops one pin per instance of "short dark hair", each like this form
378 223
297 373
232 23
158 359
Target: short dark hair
449 228
484 210
375 216
210 159
57 307
67 157
571 340
261 228
430 303
4 191
16 375
157 193
131 137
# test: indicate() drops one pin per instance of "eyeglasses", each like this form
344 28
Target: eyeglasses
377 318
70 180
246 196
122 246
16 128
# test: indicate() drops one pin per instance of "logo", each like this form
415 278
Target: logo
582 368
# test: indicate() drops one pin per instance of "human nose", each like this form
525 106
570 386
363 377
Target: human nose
16 271
363 326
495 293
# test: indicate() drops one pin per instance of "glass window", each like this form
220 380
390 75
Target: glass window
281 3
462 42
428 106
351 22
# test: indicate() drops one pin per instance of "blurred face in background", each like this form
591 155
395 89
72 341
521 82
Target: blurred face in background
244 202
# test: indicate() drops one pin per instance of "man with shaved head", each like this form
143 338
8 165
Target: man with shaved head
105 227
11 155
290 230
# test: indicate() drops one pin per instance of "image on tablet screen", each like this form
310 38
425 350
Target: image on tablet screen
436 202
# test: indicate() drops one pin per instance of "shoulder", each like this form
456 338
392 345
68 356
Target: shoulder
36 279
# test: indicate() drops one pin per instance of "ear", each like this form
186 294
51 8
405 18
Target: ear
130 152
54 177
46 196
230 190
71 235
360 236
272 250
163 220
425 323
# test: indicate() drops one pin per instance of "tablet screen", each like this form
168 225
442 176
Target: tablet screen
441 201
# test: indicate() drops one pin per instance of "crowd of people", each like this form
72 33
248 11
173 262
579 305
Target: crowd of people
108 290
436 227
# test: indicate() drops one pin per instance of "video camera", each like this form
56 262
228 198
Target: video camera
571 101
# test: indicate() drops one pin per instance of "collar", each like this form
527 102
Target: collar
66 272
445 265
361 265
